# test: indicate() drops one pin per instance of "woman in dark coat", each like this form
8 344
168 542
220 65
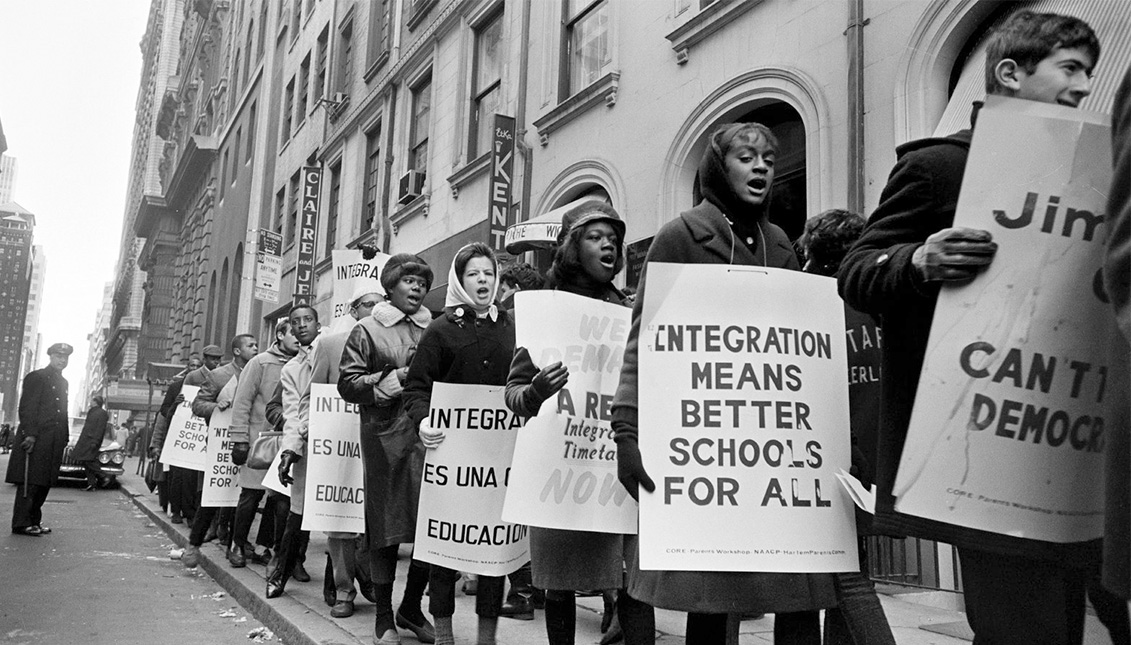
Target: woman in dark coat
590 253
472 343
729 226
86 448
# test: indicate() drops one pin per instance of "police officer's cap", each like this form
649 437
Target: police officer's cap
60 349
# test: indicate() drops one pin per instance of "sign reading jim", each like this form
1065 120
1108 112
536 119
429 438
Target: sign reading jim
307 232
1007 432
744 422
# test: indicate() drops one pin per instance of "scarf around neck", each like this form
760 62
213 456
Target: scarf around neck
388 315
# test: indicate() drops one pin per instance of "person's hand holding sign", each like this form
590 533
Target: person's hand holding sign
954 254
429 436
630 467
550 379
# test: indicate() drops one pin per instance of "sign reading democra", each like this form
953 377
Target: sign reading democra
221 477
459 523
1007 433
743 416
186 444
334 497
564 474
352 273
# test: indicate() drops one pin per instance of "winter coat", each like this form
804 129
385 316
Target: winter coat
43 415
93 432
378 346
206 399
1117 278
559 558
256 384
877 277
703 236
294 389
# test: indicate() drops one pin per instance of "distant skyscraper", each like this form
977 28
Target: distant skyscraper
16 226
34 307
7 178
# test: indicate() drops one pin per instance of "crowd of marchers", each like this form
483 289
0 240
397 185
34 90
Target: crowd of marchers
889 268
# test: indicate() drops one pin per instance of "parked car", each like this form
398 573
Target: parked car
111 456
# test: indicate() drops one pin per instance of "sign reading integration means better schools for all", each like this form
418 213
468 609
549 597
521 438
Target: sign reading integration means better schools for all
459 524
1007 432
564 474
743 414
221 478
351 272
187 440
334 497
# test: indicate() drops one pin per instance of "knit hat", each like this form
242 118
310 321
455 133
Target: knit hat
591 211
403 264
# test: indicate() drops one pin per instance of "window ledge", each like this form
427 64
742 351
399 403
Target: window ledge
710 19
418 206
604 88
468 172
420 9
376 66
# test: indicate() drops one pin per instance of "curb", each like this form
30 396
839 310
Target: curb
292 622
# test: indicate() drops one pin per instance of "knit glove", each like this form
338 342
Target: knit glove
954 254
239 453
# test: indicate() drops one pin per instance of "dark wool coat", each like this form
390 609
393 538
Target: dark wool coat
877 277
43 415
93 431
703 236
1117 278
562 559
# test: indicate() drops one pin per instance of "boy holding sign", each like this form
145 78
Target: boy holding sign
1017 590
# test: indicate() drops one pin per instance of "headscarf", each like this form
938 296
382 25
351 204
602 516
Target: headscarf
458 297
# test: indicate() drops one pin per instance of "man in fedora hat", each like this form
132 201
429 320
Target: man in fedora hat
40 441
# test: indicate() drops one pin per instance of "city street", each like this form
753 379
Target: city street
104 576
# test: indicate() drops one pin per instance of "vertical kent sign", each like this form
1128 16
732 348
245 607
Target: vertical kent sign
308 219
268 265
502 180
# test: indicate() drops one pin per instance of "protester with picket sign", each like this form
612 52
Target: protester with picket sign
590 253
373 369
858 618
180 483
730 225
1017 590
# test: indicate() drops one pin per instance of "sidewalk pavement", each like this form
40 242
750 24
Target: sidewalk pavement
301 617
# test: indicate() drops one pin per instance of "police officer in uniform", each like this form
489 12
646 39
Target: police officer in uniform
42 435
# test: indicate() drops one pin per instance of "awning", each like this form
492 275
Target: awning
540 232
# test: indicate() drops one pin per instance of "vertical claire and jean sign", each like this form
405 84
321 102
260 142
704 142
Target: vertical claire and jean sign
502 181
308 221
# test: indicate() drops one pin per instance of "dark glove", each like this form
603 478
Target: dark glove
179 400
154 453
28 444
954 254
550 379
630 468
368 251
239 453
285 460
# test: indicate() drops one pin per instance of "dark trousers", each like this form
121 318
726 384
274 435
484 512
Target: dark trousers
28 510
292 546
442 593
182 490
93 475
858 617
790 628
245 515
203 519
1011 599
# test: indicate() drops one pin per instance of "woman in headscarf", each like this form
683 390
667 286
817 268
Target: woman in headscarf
729 225
589 255
471 343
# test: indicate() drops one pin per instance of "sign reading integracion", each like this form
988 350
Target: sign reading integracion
307 232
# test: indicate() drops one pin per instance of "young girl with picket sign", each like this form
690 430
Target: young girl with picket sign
590 253
471 343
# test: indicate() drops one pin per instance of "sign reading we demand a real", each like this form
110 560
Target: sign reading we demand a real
743 415
1007 433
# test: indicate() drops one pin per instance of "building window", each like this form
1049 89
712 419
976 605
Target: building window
262 29
332 211
223 174
378 29
372 168
486 92
250 132
304 89
296 18
280 210
247 51
235 81
292 213
288 110
421 115
587 52
345 59
236 156
323 54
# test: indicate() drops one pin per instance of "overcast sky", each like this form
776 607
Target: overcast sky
69 73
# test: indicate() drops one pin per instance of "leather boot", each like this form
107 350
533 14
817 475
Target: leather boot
277 579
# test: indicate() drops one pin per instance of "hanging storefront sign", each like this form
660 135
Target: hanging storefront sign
307 234
268 265
502 181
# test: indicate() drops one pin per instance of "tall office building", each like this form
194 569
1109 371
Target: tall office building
7 178
16 226
31 349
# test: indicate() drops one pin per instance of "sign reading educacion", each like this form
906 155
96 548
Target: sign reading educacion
743 416
307 234
1007 432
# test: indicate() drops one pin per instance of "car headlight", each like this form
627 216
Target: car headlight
103 458
118 458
